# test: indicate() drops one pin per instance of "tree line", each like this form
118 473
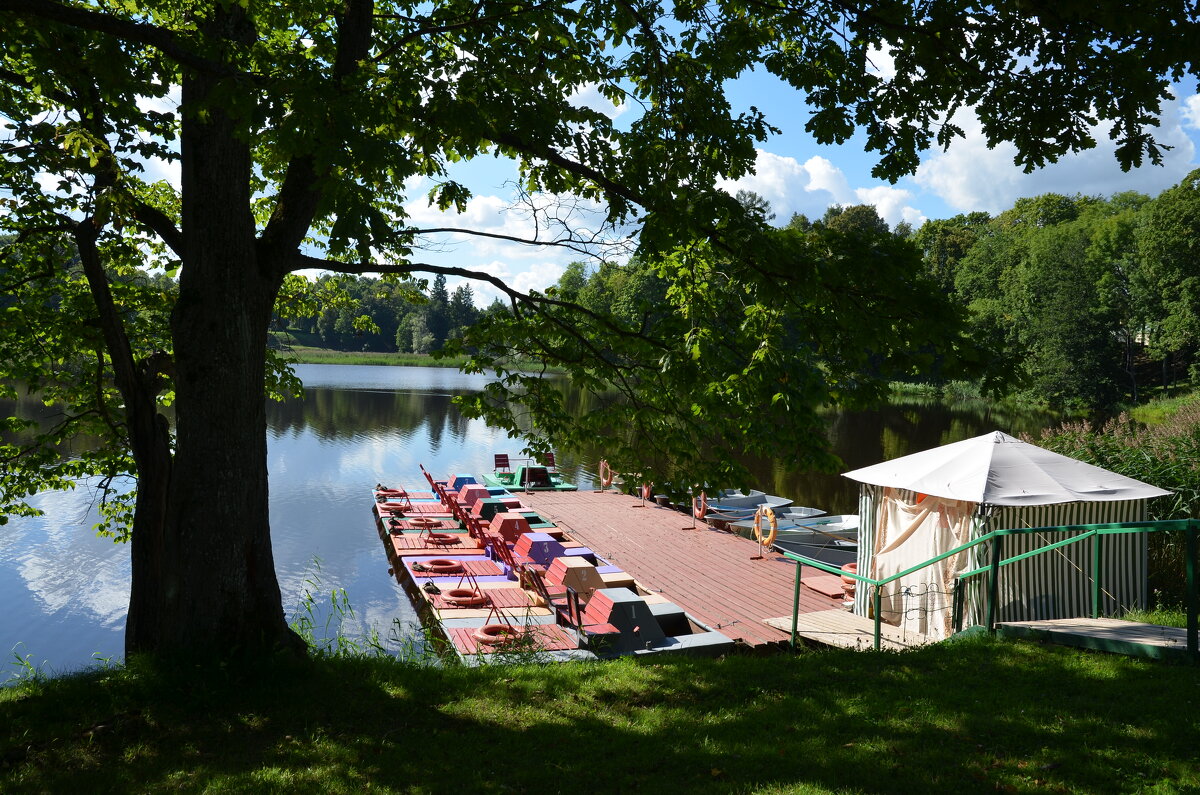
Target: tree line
364 313
1087 300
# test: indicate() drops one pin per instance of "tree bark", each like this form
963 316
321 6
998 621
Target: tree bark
218 584
150 444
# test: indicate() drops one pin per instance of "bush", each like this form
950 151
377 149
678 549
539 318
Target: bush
1166 455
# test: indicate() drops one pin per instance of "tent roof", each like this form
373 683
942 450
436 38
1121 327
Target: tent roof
996 469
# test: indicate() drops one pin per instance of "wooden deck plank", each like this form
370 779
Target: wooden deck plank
713 575
1104 634
843 629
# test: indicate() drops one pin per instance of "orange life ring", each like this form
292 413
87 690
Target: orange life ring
443 566
647 491
700 506
771 520
383 495
465 597
496 634
606 474
443 539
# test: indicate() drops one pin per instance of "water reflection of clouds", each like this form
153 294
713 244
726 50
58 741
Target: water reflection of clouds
425 380
66 591
70 595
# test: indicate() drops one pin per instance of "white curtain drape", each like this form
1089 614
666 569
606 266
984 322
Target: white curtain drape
910 533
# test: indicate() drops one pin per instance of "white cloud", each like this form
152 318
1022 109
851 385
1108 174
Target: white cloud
891 204
589 96
1190 110
880 62
793 187
811 187
970 176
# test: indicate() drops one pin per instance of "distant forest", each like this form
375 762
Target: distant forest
1088 301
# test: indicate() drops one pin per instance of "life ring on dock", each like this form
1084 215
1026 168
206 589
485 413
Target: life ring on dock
647 491
443 539
383 495
443 566
606 474
465 597
496 634
772 523
700 506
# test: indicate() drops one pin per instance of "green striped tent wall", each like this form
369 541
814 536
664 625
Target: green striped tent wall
1055 584
1058 584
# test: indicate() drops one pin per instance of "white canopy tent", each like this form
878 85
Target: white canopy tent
916 507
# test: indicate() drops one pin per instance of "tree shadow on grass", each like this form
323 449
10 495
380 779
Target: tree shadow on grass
974 714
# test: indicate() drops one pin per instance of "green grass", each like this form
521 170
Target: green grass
1162 616
977 715
306 355
1160 409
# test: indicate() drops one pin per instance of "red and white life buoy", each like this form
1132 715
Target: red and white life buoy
606 474
465 597
443 539
496 634
700 506
647 491
443 566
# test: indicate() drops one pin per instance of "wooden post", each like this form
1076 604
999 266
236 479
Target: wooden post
994 583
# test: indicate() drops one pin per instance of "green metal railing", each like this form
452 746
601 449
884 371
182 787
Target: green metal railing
1189 527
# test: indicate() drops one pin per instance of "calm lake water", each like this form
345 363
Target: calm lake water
65 590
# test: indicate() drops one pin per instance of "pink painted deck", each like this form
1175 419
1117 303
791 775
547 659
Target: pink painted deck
501 598
476 566
536 637
710 573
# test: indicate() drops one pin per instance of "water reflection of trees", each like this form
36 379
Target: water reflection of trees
338 413
859 438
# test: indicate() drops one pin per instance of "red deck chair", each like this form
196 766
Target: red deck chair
428 477
502 464
549 463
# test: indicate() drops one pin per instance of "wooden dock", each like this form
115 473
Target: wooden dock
1104 634
843 629
713 575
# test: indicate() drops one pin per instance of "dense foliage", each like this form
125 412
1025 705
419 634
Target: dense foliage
1166 454
1091 299
811 315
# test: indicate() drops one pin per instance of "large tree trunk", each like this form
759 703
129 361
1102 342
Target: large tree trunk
218 584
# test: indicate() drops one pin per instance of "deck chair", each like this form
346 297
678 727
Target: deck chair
502 464
548 461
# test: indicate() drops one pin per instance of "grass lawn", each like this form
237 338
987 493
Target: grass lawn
970 716
307 355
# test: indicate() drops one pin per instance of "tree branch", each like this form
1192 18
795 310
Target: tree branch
163 40
157 222
296 204
571 166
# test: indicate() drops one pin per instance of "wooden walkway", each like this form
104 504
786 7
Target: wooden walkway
844 629
711 574
1104 634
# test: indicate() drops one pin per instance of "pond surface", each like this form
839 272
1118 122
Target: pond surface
65 590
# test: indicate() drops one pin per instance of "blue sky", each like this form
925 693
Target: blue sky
795 174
